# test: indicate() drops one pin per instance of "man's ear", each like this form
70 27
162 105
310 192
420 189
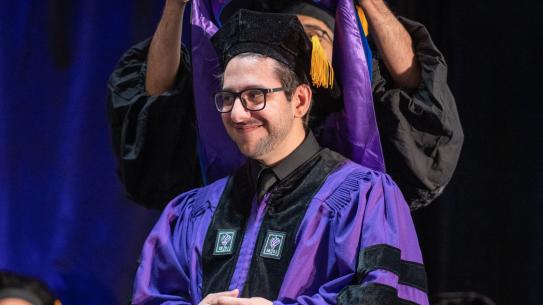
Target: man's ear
301 100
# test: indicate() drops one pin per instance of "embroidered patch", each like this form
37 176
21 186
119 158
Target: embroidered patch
224 244
273 244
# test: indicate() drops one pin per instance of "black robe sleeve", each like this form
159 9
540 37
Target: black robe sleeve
154 137
420 129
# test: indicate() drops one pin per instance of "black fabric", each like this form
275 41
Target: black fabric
283 168
421 134
217 270
154 137
266 179
378 257
414 275
301 154
262 177
279 36
287 203
370 294
388 258
405 302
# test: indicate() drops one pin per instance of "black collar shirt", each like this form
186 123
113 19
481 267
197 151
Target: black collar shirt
263 178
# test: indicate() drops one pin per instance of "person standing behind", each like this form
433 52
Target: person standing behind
152 113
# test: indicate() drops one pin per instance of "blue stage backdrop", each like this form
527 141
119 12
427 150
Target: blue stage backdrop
63 215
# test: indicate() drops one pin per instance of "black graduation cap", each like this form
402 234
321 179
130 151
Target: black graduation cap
279 36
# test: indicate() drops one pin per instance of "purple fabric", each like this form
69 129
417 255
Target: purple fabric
249 242
366 209
354 209
169 269
353 132
219 154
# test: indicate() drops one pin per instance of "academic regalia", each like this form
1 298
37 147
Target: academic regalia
333 232
313 228
159 154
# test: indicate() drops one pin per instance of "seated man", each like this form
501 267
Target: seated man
153 119
296 224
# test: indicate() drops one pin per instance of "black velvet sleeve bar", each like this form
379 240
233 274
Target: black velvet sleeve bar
420 129
154 137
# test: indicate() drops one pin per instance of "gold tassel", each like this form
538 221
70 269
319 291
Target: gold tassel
322 73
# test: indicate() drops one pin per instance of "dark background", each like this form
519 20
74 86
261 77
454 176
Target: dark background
63 215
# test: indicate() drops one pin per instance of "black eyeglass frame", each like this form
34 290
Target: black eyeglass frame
321 33
236 95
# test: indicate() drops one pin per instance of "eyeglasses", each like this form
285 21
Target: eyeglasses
253 99
311 30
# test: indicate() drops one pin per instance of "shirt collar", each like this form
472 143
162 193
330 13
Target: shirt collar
285 167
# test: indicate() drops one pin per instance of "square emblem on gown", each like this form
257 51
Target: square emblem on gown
224 244
273 244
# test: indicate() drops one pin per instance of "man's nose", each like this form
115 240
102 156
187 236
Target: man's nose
239 113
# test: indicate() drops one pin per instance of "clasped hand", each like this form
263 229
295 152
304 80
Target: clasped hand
231 298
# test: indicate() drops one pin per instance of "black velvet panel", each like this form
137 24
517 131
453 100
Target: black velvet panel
406 302
388 258
218 269
288 203
414 275
371 294
280 37
378 257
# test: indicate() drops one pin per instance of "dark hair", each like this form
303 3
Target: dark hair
288 78
24 287
290 81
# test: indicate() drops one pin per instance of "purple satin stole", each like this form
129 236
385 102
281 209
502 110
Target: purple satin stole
353 132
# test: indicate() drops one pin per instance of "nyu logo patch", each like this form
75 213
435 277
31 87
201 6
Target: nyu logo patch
224 244
273 245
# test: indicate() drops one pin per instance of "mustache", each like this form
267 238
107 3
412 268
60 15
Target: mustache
248 123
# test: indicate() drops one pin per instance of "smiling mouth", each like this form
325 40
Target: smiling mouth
246 128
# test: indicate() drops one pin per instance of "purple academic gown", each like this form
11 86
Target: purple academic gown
356 234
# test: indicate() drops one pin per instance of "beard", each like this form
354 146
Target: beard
264 144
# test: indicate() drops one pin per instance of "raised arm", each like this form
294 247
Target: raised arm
394 44
152 115
420 128
164 55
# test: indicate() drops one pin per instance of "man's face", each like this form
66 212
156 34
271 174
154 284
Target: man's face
313 26
258 134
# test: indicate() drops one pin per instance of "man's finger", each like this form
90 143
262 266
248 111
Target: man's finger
211 298
228 300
